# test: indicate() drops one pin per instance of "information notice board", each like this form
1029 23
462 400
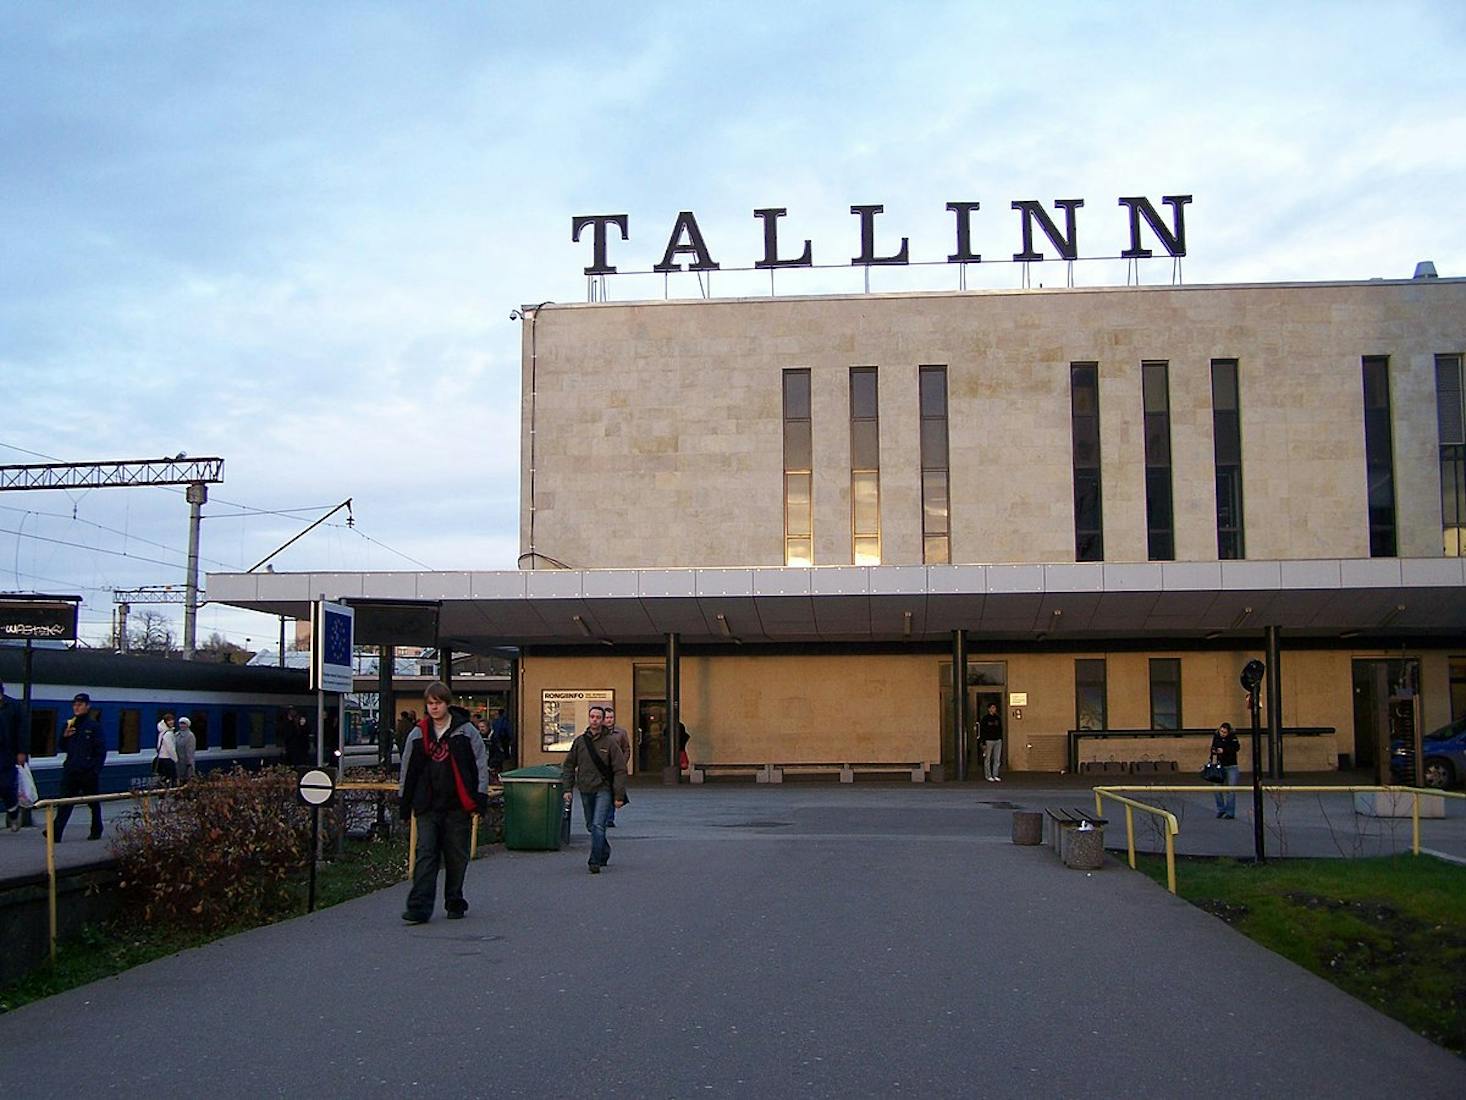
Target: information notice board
565 712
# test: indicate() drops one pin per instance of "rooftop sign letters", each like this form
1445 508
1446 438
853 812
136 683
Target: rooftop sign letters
686 239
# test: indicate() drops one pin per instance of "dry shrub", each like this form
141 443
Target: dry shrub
225 850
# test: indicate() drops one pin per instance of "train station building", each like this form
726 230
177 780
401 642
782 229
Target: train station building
786 521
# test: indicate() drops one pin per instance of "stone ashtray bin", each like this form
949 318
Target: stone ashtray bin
1028 827
1083 849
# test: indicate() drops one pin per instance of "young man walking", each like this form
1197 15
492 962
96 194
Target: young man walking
596 767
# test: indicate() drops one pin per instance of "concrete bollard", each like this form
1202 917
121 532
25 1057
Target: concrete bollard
1084 849
1028 827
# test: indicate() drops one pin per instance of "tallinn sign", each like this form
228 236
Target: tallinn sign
687 241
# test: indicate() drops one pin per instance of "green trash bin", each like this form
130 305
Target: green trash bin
534 804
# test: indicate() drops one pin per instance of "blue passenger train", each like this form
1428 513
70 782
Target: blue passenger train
236 710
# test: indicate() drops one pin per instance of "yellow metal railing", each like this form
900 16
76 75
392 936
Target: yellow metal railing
1131 805
1173 829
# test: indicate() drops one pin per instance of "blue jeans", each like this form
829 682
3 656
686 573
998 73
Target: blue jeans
597 807
1227 800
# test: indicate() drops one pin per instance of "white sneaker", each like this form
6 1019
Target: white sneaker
997 779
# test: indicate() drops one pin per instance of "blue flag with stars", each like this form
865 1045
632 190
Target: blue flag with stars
337 638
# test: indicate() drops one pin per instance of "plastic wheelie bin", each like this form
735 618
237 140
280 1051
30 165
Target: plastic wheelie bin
534 808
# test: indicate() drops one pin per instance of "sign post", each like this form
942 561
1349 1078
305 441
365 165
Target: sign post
332 628
316 788
49 618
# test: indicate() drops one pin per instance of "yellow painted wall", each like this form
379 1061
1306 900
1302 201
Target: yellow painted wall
887 707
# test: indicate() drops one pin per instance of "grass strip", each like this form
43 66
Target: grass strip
103 951
1389 930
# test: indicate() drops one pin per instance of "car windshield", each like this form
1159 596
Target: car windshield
1445 733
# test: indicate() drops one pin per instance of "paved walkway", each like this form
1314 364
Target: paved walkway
818 941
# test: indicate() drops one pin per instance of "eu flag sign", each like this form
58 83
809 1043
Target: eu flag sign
331 639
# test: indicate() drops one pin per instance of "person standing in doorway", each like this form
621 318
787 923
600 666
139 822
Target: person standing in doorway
184 746
12 756
622 738
444 782
596 767
990 737
1224 746
86 753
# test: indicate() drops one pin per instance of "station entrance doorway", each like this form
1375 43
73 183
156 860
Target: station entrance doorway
649 739
986 683
1386 709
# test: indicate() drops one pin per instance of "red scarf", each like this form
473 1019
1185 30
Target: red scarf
437 750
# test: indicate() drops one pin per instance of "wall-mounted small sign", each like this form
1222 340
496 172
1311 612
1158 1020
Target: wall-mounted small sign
1018 698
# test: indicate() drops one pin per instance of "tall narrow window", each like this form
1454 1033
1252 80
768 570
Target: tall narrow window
1451 416
1160 529
936 545
1227 440
1379 457
1090 704
798 468
865 467
1165 693
129 730
1089 538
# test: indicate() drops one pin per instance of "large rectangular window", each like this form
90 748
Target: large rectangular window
1451 417
1090 704
865 467
1160 529
798 470
1379 456
1089 539
936 532
1227 443
1165 693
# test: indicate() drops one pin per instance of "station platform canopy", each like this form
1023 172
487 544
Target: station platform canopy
1399 598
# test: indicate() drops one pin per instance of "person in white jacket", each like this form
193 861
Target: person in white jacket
165 763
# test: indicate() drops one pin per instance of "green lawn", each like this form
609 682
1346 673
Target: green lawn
1389 930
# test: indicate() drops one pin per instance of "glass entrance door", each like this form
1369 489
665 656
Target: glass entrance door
986 683
1385 712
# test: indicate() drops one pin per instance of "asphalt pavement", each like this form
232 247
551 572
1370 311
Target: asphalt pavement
745 941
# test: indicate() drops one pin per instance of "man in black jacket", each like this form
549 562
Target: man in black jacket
444 782
86 753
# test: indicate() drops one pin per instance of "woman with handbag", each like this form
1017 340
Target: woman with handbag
1224 746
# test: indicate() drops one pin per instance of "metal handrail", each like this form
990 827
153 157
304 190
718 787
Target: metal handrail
1111 792
1173 827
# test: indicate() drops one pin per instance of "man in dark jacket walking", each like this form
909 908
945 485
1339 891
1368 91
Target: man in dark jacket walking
596 767
86 753
444 782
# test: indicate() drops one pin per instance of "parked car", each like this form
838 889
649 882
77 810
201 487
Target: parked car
1445 757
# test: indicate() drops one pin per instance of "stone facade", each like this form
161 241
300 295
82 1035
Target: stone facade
657 425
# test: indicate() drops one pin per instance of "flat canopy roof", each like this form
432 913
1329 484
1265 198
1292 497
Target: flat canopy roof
1414 598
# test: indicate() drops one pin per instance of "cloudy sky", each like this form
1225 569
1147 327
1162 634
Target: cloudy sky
291 234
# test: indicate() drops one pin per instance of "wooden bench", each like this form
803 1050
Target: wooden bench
1063 823
847 770
699 772
774 773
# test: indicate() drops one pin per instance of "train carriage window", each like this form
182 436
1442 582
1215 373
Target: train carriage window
229 738
256 729
129 730
43 731
199 722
